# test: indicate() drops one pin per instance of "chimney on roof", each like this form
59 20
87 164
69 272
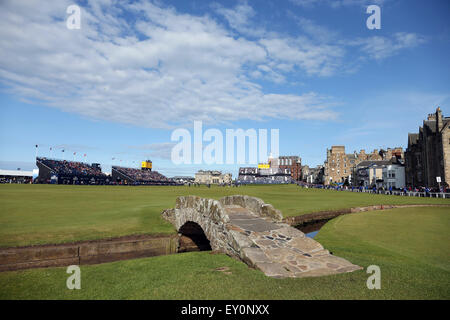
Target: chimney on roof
431 117
439 123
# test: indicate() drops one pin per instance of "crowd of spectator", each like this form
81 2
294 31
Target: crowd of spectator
16 180
255 179
251 175
143 176
248 170
72 168
407 191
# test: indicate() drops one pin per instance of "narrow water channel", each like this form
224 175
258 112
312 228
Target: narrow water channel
311 229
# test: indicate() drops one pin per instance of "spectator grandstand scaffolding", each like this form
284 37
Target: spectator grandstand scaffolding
139 177
69 172
262 176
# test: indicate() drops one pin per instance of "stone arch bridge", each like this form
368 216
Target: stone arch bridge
250 230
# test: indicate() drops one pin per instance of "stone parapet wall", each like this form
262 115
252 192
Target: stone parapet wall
212 217
255 205
209 214
327 215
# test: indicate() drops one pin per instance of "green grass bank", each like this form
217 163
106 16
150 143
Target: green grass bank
40 214
410 245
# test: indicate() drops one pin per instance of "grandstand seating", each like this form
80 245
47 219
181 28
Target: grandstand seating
70 171
250 175
248 170
139 176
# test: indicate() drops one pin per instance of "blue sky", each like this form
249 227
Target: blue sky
137 70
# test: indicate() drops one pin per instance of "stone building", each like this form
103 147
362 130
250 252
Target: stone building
339 166
212 177
305 172
313 175
379 173
428 154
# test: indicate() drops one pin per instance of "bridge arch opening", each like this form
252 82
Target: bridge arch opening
193 238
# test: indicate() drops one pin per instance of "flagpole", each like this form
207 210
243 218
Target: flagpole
36 151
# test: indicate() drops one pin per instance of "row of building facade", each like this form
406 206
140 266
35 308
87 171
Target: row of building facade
350 168
425 163
428 154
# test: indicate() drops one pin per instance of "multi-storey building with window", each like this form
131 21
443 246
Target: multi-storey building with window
212 177
292 163
428 154
339 166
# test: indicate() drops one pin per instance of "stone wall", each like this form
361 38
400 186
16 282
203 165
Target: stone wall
255 205
86 252
327 215
211 216
248 229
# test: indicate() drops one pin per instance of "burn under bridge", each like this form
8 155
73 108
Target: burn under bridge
252 231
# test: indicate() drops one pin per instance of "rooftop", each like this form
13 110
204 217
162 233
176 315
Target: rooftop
16 173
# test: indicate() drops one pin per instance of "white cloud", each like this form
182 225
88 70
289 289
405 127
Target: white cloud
156 67
378 47
239 18
163 69
315 59
317 32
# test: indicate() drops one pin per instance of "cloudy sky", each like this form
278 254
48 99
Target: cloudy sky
137 70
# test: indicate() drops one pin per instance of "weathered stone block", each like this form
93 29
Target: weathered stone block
28 254
251 256
246 228
274 270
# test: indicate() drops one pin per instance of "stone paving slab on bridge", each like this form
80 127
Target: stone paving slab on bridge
282 251
250 230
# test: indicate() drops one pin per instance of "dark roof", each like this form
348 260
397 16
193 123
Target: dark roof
431 124
413 138
369 163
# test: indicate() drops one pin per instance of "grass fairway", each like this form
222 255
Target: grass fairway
39 214
410 245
